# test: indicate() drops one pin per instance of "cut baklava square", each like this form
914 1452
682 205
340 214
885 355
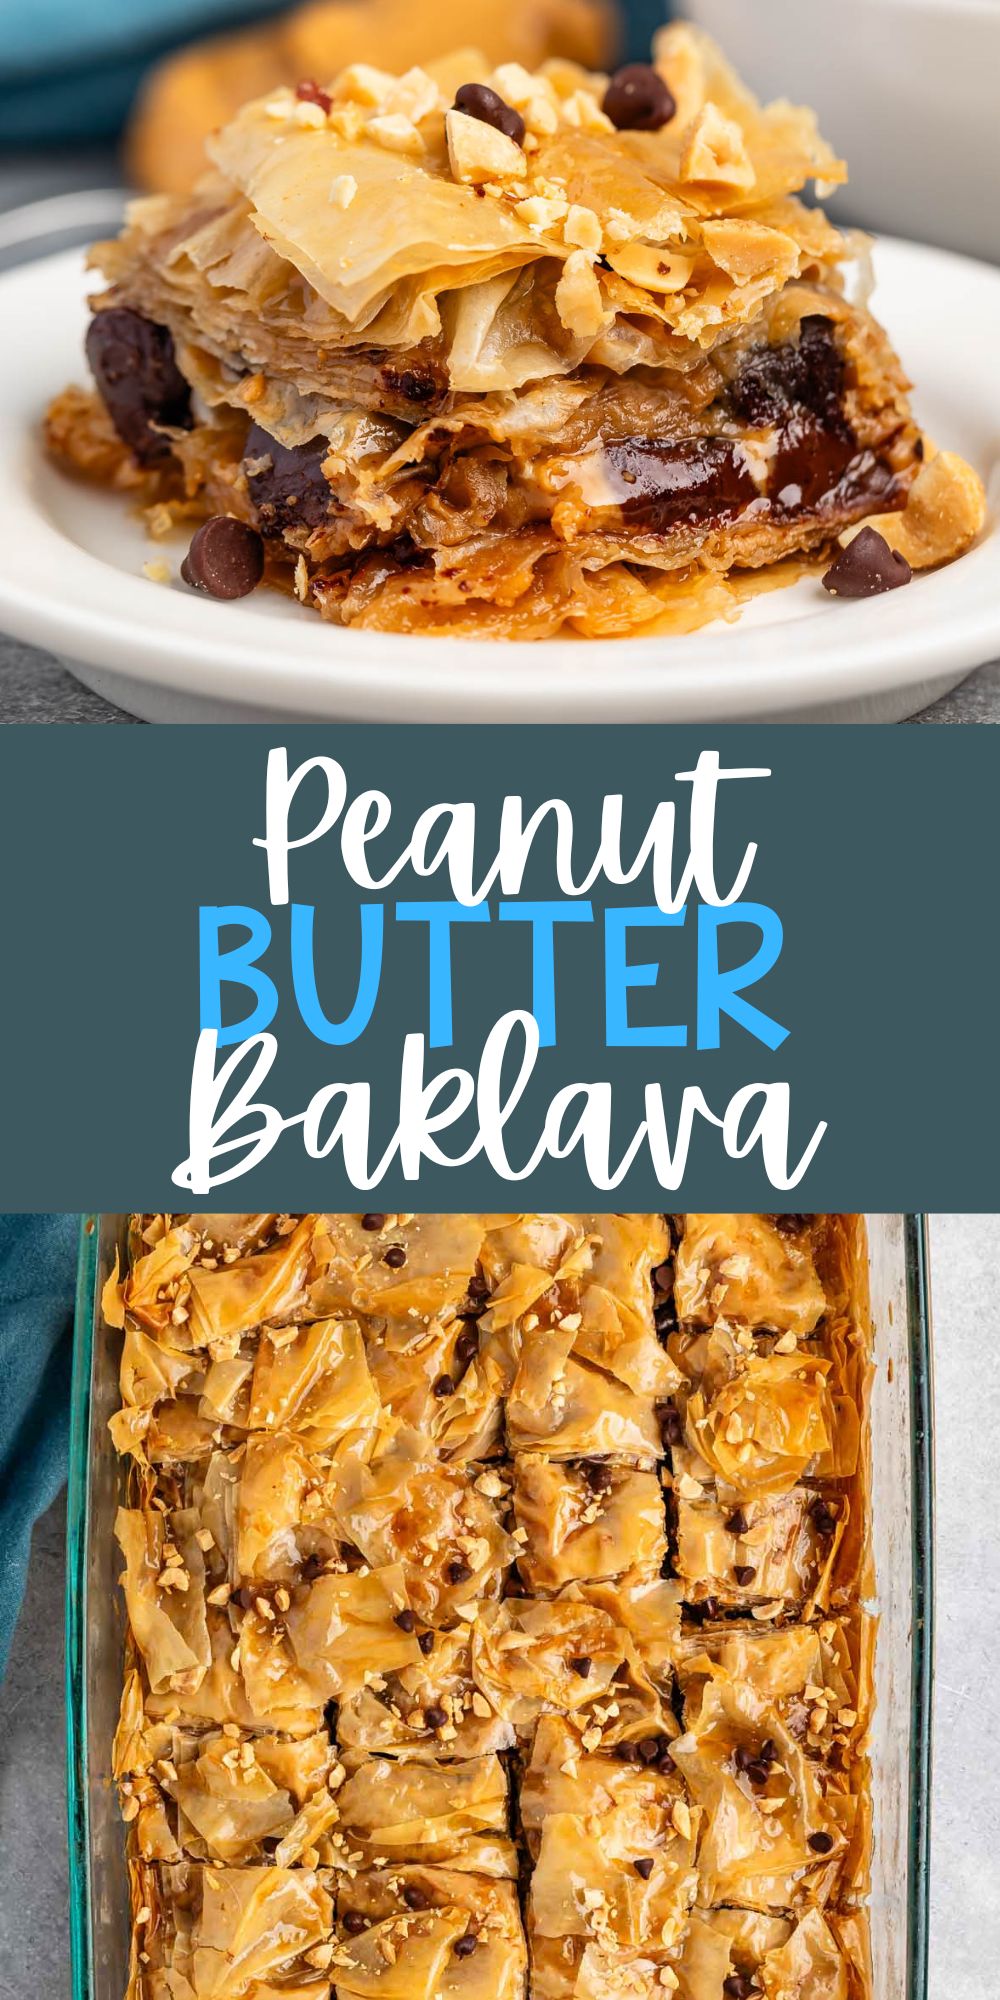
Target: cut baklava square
788 1547
756 1271
779 1822
454 1814
817 1956
586 1521
613 1841
423 1933
228 1794
215 1933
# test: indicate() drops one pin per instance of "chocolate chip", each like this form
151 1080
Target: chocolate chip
132 362
426 1643
395 1256
463 1947
467 1344
744 1574
663 1278
671 1424
373 1221
742 1757
444 1386
824 1518
708 1608
312 1568
354 1923
665 1761
758 1772
226 558
581 1665
628 1753
414 385
807 374
820 1843
686 481
459 1572
477 100
644 1867
598 1474
867 567
286 482
637 99
739 1986
649 1748
435 1716
478 1287
414 1898
405 1619
768 1752
737 1522
309 92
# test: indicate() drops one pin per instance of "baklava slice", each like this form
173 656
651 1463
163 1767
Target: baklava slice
586 1522
487 350
429 1933
817 1956
453 1814
214 1933
221 1794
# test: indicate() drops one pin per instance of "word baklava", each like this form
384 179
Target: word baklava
494 1590
506 352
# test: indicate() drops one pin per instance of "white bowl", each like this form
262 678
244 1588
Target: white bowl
906 92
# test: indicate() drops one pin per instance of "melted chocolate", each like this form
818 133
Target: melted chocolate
132 361
807 374
291 492
671 484
414 389
793 391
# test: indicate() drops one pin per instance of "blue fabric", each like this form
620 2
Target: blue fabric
70 68
37 1271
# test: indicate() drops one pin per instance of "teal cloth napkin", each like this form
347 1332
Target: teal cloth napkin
70 68
37 1271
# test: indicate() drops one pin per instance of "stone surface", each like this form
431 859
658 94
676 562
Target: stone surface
965 1924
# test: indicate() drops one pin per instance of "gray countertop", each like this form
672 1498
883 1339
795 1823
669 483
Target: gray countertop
965 1906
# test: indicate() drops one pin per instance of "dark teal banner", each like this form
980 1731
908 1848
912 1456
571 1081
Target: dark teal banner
458 968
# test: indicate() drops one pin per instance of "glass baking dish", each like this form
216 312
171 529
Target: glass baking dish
902 1530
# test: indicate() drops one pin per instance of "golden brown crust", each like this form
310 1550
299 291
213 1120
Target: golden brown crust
430 1693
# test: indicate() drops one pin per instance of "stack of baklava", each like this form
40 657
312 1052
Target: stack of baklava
493 1590
478 349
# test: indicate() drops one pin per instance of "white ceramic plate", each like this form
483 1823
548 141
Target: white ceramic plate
71 575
